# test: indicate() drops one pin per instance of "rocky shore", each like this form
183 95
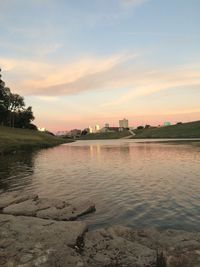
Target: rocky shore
43 232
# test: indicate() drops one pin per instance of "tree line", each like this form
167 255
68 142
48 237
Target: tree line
13 112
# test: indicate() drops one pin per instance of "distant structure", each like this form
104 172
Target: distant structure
106 125
42 129
61 133
123 123
109 129
96 128
90 129
74 133
167 123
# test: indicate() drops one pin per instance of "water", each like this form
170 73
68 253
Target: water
134 184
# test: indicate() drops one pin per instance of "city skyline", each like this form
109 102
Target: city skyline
79 63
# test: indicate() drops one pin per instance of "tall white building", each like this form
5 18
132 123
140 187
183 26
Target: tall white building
123 123
90 130
96 128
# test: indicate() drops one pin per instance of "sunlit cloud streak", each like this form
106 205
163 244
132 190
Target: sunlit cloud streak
93 74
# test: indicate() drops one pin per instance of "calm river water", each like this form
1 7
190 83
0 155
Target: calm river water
134 184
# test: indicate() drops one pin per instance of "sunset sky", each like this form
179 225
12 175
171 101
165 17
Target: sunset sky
87 62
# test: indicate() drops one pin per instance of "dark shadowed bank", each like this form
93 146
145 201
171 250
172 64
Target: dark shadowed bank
13 140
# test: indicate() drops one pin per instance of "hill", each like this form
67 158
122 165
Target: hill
12 139
184 130
106 135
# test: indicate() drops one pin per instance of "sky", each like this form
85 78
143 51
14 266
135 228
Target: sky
87 62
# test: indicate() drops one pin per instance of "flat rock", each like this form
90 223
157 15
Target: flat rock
49 238
9 198
26 208
123 246
32 242
111 247
45 208
67 213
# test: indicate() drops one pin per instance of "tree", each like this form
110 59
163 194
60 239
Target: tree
12 109
16 105
24 118
140 127
4 100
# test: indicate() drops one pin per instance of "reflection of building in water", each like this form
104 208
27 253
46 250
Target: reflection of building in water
123 123
95 151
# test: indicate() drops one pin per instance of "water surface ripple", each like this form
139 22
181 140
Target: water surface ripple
134 184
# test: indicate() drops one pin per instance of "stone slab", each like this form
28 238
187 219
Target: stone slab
32 242
44 208
9 198
123 246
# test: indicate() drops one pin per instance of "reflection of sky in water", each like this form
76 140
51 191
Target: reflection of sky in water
136 184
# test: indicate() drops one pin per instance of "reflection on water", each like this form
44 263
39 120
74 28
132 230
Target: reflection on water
135 184
16 171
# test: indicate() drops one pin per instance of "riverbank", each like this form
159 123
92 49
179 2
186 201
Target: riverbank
104 136
183 130
13 140
29 241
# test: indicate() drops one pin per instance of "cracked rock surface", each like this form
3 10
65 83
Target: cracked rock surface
120 246
32 242
40 232
16 204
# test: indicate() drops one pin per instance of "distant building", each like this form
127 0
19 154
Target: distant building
123 123
61 133
167 123
42 129
96 128
106 125
109 129
90 129
75 133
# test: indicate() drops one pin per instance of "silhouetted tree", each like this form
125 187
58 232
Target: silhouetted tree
12 108
140 127
23 118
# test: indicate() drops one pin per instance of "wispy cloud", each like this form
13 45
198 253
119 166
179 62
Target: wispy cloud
133 3
92 74
163 35
149 82
88 73
36 49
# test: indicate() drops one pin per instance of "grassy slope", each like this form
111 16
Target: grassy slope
21 139
97 136
185 130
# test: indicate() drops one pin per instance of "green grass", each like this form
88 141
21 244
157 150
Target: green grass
185 130
12 140
107 135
